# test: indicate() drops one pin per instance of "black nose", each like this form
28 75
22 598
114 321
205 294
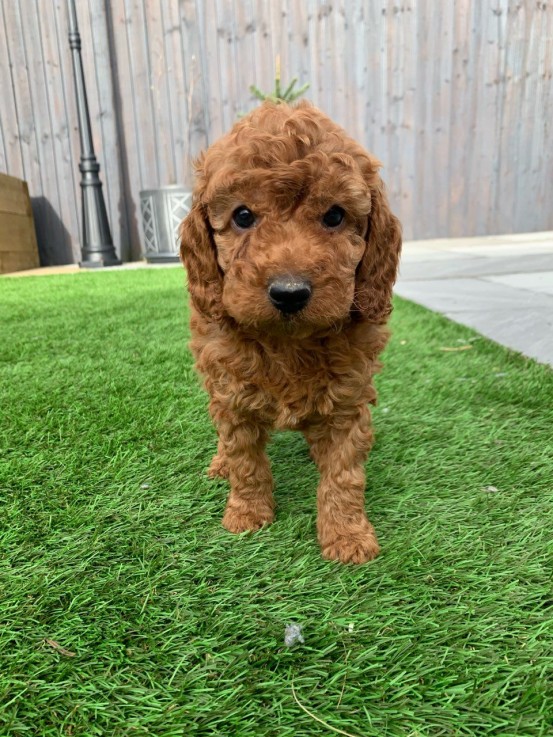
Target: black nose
289 294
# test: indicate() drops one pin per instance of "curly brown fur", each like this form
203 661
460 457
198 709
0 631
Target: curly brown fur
311 370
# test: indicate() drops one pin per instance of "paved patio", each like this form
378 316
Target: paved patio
500 285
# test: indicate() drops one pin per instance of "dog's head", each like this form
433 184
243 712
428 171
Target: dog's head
290 230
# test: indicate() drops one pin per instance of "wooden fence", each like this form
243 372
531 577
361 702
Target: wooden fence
455 97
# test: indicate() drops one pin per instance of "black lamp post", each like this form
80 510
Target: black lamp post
97 245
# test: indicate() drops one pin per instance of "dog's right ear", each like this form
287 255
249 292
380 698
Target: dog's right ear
199 256
377 271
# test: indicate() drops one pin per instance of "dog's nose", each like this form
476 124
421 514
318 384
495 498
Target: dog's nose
289 294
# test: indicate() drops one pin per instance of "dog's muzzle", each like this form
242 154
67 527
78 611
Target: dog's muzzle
289 294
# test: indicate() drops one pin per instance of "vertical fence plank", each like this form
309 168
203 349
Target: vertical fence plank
442 73
58 86
160 92
504 187
129 130
460 118
544 115
532 144
226 59
374 17
487 100
25 132
54 110
197 123
279 42
138 94
298 43
69 132
248 22
33 107
98 69
340 87
174 87
245 55
216 98
265 61
356 68
404 91
12 161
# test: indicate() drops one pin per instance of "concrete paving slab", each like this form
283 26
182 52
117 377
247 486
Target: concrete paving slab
452 265
410 254
451 296
530 333
483 241
500 250
541 281
501 286
540 235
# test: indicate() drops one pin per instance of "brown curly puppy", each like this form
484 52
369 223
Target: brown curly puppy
291 252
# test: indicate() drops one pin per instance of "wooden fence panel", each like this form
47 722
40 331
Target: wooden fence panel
455 99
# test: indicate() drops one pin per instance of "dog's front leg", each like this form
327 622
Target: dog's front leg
250 503
340 446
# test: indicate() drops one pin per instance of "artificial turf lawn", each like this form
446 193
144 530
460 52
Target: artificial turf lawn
112 547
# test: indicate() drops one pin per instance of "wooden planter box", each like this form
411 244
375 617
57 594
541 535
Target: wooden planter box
18 246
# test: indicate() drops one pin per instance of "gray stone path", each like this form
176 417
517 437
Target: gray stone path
500 285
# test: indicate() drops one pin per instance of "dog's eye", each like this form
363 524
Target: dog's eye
243 217
333 217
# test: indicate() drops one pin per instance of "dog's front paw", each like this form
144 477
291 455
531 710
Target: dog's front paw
237 521
218 467
359 546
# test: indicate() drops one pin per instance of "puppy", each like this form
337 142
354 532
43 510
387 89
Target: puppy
291 252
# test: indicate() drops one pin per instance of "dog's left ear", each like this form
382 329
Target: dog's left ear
198 254
377 271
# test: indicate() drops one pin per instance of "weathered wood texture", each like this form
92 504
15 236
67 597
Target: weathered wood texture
18 245
455 98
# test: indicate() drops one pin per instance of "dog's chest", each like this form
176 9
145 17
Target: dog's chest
299 389
287 385
297 386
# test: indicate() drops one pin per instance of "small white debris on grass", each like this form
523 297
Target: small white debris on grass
491 488
293 635
350 627
144 486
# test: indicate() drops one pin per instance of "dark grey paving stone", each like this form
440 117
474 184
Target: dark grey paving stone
458 266
541 281
529 332
517 318
457 295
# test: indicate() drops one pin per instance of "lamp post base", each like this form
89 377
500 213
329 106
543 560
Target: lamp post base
100 263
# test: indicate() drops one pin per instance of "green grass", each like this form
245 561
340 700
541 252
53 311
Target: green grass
111 543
